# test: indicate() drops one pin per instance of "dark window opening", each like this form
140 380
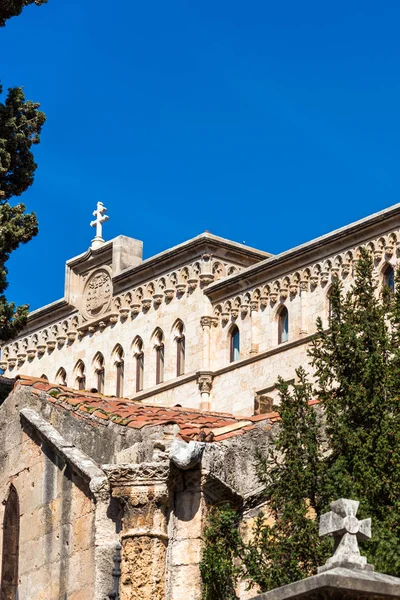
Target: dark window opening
388 277
9 569
235 344
160 359
283 326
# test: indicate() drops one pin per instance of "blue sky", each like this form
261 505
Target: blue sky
264 122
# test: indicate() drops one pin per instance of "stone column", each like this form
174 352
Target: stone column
206 323
303 307
144 494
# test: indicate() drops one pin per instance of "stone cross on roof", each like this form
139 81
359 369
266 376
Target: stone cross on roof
98 223
347 530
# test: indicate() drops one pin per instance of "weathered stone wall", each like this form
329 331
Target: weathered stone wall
56 546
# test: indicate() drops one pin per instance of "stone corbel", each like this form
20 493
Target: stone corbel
254 306
101 322
209 321
205 381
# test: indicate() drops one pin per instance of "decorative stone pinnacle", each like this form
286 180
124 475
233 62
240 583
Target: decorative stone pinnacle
347 531
101 218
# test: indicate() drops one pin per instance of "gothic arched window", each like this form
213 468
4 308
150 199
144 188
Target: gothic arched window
160 355
99 372
61 377
139 358
388 277
283 325
9 568
119 371
80 376
180 348
234 351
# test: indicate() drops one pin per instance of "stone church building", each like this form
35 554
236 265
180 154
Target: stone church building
139 398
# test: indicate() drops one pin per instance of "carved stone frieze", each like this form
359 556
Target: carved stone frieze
137 474
308 279
99 310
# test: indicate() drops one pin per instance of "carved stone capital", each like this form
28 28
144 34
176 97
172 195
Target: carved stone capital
208 322
205 381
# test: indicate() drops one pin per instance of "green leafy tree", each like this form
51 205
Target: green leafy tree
13 8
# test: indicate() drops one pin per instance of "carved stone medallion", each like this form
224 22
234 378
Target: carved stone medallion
97 294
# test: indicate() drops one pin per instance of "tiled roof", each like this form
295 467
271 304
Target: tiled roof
193 424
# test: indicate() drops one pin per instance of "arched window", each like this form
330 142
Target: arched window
180 348
234 344
119 371
388 277
99 372
80 375
283 325
160 355
139 358
43 376
9 568
61 377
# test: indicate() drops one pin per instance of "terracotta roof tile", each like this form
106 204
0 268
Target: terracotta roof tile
97 409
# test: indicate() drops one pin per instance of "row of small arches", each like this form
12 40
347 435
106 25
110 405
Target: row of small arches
234 334
117 364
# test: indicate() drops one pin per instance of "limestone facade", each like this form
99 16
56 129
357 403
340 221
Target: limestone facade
162 329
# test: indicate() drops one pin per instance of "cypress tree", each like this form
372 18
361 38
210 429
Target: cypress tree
285 544
21 123
13 8
346 445
357 374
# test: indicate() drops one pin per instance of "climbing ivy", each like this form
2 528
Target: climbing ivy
218 568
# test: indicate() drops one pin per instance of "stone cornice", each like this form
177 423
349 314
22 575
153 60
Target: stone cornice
318 249
80 461
59 309
183 254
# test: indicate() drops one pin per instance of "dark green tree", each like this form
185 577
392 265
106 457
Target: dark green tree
348 445
285 544
21 123
13 8
357 372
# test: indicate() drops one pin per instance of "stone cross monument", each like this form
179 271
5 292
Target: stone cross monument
101 218
341 522
346 575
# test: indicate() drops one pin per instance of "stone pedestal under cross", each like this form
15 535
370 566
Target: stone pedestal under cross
101 218
346 575
347 531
